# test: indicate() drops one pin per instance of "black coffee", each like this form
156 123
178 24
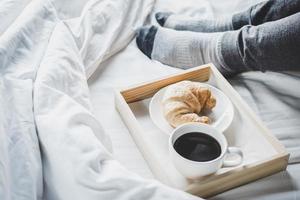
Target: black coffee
197 146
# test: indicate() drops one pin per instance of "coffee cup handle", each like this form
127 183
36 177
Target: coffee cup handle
235 162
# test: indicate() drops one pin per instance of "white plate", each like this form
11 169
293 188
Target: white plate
221 115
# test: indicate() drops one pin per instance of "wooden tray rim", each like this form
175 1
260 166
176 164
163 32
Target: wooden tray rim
206 188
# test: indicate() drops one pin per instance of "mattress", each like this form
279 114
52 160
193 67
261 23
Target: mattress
275 102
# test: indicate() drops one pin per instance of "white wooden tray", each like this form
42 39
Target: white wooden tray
264 154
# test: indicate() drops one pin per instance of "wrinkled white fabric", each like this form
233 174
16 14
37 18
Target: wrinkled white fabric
51 145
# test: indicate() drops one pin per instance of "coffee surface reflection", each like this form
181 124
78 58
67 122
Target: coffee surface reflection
197 146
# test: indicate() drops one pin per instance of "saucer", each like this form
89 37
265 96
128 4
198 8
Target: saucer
221 115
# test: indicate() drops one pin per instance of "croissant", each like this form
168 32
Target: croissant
183 102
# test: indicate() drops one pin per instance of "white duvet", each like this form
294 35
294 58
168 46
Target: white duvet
51 145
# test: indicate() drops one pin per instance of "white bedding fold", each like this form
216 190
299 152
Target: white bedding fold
47 51
22 46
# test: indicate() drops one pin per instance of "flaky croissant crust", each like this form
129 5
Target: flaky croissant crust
183 102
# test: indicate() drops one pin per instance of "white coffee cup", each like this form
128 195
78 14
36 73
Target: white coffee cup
196 169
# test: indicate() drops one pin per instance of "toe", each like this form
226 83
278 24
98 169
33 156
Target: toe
145 39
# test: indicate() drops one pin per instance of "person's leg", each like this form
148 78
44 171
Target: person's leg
270 46
258 14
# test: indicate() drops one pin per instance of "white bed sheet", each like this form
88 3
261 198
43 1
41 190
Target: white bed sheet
130 66
51 145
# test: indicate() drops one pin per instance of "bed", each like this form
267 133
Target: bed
52 145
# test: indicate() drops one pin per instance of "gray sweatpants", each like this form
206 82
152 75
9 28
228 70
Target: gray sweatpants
266 37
